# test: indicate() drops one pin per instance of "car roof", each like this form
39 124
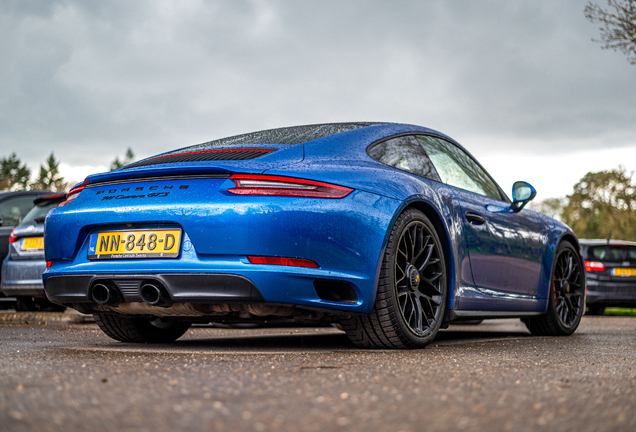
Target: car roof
605 242
288 135
292 135
326 143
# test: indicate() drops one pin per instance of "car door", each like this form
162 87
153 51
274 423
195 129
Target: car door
504 246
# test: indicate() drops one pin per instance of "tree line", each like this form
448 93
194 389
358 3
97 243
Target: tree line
601 206
15 175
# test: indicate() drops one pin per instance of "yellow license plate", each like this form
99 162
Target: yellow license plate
620 271
150 243
32 243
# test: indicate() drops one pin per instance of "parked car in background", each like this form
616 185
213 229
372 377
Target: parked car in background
14 205
24 264
391 230
611 274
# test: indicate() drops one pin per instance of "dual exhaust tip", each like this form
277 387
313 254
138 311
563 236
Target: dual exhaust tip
155 295
152 293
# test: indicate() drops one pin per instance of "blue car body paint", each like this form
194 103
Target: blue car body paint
502 265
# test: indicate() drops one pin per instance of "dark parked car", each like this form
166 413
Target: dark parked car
611 274
24 264
391 230
13 207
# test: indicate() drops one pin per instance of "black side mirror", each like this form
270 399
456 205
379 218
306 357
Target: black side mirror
522 194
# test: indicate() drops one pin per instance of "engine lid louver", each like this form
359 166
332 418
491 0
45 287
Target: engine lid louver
205 155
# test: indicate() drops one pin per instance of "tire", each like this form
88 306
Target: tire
565 302
32 304
595 310
127 329
412 289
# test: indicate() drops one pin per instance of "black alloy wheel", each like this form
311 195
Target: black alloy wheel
568 288
417 275
412 289
566 301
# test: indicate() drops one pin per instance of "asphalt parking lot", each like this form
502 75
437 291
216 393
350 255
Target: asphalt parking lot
494 376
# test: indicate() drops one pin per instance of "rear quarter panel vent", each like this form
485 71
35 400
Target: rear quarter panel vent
335 291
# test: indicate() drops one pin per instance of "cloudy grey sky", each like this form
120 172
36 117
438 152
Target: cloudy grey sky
520 84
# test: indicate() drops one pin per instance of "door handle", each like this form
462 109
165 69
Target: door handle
475 218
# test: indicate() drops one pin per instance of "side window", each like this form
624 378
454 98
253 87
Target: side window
404 153
12 210
458 169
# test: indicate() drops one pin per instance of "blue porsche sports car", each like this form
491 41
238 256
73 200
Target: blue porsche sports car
391 230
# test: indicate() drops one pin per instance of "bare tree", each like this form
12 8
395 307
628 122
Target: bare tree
618 25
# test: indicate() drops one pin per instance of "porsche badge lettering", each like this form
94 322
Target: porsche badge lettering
154 192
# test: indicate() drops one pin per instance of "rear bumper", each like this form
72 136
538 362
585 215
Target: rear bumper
23 278
603 293
183 288
234 282
344 237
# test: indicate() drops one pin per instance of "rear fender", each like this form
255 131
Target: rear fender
428 203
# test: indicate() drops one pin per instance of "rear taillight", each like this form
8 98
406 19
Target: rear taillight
74 193
256 184
12 237
594 266
49 264
281 261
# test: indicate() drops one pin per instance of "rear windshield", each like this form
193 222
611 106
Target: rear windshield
613 253
283 136
38 213
288 135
